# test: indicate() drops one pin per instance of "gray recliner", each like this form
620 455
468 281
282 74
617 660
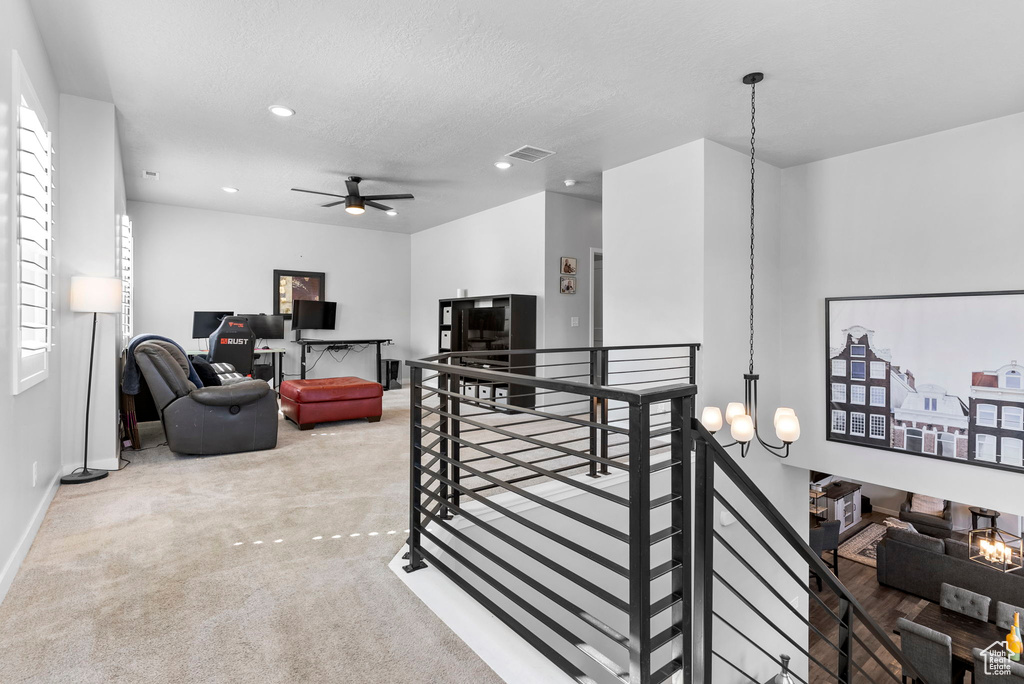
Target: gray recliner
209 420
932 525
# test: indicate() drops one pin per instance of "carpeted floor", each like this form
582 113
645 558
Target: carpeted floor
155 574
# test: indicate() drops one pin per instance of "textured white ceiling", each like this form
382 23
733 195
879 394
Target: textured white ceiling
423 96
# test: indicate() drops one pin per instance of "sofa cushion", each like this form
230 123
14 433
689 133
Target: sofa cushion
957 549
330 389
927 505
915 539
899 524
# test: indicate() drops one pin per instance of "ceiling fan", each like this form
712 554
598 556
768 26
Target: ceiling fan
356 203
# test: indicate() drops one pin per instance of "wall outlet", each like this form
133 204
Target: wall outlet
35 472
574 322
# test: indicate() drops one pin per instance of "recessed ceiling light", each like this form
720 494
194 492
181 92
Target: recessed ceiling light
503 165
391 212
569 182
227 189
281 110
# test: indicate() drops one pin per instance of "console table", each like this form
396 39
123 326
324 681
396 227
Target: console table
843 503
308 344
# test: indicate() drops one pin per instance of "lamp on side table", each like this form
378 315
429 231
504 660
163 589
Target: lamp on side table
95 296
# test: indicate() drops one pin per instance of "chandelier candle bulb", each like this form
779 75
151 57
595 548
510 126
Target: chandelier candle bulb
742 428
711 418
787 427
733 410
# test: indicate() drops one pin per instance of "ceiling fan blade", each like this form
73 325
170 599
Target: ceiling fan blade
388 197
352 186
332 204
376 205
317 192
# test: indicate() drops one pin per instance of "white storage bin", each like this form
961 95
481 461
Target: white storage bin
446 339
446 315
485 391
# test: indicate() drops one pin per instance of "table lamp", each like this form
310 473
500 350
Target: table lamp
92 295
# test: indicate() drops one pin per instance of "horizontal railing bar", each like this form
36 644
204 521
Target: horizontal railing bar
765 507
665 603
802 583
666 671
664 568
733 666
692 346
662 500
552 365
524 478
536 434
525 438
648 370
643 382
773 590
667 464
553 457
664 534
587 553
755 644
580 581
665 636
607 663
540 644
550 416
536 498
649 358
752 608
541 588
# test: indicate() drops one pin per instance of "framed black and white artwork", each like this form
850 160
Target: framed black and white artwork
292 285
938 375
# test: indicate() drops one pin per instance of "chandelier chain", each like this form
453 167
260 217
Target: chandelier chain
752 131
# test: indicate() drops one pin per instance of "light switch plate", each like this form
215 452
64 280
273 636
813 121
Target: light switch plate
574 322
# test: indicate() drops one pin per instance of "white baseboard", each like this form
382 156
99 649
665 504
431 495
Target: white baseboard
887 511
10 569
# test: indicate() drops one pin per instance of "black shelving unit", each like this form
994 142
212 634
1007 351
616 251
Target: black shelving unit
519 331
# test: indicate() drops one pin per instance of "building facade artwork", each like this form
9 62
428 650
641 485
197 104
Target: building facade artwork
930 421
996 426
860 390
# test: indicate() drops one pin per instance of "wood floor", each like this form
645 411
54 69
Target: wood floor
885 605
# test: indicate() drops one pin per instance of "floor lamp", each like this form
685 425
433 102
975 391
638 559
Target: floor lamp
95 296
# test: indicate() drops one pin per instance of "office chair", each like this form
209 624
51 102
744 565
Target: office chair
233 342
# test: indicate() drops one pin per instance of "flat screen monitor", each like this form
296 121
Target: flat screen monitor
205 322
310 315
266 327
483 329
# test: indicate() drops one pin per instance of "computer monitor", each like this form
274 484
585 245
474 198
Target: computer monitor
205 322
266 327
310 315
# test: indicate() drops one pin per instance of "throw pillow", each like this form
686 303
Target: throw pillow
899 524
927 505
205 372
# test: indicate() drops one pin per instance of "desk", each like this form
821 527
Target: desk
966 632
276 359
308 344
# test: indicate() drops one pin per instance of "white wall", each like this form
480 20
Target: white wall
91 191
572 229
653 236
939 213
498 251
30 423
197 260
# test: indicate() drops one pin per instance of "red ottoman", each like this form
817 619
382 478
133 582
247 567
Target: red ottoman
308 402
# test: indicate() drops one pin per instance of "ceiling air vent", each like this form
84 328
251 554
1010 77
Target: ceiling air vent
151 175
530 154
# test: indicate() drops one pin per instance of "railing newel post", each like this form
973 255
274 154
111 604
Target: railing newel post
456 424
595 379
415 473
639 543
682 613
603 380
703 562
443 380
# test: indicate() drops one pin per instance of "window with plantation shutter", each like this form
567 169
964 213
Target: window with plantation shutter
125 259
33 253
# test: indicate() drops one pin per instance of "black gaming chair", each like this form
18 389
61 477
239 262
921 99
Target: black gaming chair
233 342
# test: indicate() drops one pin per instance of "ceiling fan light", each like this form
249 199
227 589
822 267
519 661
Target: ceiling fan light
355 210
354 205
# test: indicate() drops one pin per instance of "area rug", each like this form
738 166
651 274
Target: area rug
862 546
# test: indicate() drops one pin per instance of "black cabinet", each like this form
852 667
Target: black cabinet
492 327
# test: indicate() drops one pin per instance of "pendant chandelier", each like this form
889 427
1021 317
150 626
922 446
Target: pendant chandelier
742 417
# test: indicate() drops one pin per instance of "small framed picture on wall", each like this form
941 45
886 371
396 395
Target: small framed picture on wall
292 285
567 266
567 285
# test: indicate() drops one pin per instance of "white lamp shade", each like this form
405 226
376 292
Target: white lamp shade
742 428
782 411
734 409
711 418
95 295
787 427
